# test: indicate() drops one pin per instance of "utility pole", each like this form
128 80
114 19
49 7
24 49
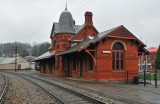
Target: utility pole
155 77
145 70
16 58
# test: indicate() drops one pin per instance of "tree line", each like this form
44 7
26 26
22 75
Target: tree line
157 59
24 49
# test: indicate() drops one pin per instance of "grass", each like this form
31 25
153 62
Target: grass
148 78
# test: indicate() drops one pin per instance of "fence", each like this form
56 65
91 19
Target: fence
144 77
131 76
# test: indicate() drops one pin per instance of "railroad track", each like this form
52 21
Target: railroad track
60 94
4 90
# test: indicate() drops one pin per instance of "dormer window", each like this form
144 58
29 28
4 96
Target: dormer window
84 36
89 27
64 45
57 46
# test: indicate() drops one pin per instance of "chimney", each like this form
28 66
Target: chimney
88 18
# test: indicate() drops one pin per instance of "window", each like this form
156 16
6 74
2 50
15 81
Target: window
57 46
89 27
90 64
64 61
74 63
118 56
122 60
44 67
53 43
84 36
50 66
148 58
85 65
54 65
117 46
64 45
58 63
113 63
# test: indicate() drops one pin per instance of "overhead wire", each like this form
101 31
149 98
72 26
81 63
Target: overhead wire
76 10
84 7
46 24
80 6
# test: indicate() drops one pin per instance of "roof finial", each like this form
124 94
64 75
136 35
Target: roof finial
66 7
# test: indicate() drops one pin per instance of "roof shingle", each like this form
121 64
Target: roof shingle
45 55
86 42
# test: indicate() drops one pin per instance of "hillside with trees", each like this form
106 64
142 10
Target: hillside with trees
24 49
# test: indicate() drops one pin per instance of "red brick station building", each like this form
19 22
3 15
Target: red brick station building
81 51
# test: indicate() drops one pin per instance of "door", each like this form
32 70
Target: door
81 68
19 66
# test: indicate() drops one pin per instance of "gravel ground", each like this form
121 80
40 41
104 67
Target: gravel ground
2 83
81 90
65 96
23 92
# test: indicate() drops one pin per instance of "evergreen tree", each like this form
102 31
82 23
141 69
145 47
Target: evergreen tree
24 53
35 49
157 59
43 47
24 49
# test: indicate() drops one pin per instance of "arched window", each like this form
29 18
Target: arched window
117 46
118 56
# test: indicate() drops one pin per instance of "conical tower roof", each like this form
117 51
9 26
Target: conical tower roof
66 22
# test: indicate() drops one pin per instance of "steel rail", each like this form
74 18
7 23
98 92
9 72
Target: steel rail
71 91
4 89
47 92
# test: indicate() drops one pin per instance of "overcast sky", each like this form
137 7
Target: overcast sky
31 20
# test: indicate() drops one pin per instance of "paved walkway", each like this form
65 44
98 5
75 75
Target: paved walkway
135 94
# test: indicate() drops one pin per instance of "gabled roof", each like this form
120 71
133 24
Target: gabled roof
77 28
56 26
86 42
8 60
93 39
2 59
45 55
153 50
122 32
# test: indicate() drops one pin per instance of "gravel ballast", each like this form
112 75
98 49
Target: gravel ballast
21 91
2 82
81 91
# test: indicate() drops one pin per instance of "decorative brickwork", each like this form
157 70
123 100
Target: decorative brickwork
90 54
